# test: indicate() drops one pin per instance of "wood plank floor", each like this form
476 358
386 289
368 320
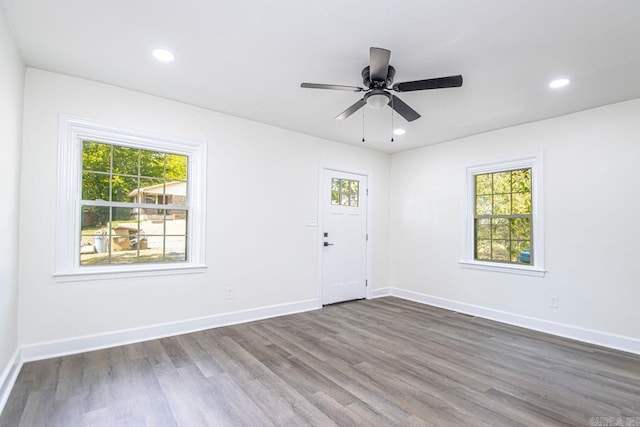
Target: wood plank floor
367 363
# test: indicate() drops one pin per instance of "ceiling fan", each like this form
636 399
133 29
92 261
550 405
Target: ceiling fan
378 79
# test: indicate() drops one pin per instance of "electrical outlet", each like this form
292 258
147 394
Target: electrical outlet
553 301
229 293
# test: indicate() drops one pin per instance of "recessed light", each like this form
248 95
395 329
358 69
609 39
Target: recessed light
399 131
163 55
558 83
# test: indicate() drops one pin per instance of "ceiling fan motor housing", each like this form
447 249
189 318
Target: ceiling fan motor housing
381 84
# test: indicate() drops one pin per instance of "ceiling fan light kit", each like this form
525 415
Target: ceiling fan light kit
377 77
377 99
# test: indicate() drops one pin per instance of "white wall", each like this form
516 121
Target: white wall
11 95
262 186
592 231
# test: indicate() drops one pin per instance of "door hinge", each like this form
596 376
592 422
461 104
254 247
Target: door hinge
367 237
366 283
367 191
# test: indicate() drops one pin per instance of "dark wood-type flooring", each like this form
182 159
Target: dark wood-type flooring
366 363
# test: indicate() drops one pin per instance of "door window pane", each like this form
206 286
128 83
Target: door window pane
345 192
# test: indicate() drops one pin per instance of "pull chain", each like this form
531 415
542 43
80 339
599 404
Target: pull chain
392 110
363 124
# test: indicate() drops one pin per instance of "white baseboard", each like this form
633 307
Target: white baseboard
64 347
381 292
617 342
9 376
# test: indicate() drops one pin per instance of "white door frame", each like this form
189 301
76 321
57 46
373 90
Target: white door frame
321 202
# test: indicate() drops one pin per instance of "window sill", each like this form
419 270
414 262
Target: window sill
503 268
102 273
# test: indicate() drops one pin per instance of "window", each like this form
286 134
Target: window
129 203
344 192
504 220
502 216
133 205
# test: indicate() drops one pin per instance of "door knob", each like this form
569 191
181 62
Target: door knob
328 244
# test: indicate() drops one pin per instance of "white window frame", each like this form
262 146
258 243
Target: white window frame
72 132
467 259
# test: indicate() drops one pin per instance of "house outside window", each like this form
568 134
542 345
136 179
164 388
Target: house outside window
129 203
504 226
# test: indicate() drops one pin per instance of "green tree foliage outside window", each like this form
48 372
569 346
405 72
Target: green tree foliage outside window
502 217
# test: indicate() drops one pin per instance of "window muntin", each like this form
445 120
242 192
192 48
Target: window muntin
345 192
503 217
125 191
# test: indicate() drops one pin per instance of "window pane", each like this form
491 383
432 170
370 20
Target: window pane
96 157
344 199
176 249
520 228
93 219
521 203
335 184
151 192
175 193
155 248
129 237
158 230
125 160
176 167
121 216
89 254
483 228
176 225
344 185
484 205
354 200
483 184
123 188
354 186
178 214
502 182
521 181
94 244
335 198
500 228
123 223
483 250
521 252
500 250
502 204
152 164
95 186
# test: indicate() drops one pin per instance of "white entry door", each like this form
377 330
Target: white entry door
344 251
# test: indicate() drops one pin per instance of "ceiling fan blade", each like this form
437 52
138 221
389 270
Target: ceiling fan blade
378 63
403 109
332 87
439 83
349 111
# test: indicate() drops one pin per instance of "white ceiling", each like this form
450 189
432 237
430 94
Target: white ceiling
247 58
